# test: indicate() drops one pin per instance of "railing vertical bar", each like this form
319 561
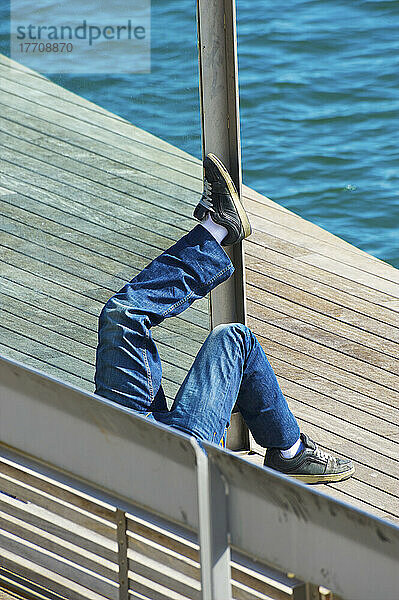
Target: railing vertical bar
215 552
312 591
122 555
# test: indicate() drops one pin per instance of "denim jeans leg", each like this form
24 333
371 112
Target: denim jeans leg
232 367
128 366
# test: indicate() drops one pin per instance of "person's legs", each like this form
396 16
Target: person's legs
232 366
128 367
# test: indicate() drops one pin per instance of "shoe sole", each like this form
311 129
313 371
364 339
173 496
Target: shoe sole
324 478
234 194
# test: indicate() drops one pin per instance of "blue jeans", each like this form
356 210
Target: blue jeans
231 366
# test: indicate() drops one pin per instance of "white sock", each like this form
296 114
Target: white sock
218 231
291 452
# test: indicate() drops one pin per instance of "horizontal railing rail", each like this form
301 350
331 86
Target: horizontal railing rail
97 502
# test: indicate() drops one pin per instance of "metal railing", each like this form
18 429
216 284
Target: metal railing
97 502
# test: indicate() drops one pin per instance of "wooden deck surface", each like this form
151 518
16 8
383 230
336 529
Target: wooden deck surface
87 200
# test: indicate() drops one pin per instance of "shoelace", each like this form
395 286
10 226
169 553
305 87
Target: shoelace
323 455
206 198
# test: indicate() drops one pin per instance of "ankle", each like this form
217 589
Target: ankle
293 450
217 231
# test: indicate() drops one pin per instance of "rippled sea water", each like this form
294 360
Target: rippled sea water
319 92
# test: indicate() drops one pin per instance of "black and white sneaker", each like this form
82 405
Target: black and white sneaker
221 200
310 465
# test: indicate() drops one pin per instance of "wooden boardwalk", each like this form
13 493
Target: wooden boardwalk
87 199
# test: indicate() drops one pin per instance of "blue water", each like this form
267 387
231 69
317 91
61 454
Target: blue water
319 89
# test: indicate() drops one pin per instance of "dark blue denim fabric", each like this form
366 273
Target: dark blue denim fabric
230 367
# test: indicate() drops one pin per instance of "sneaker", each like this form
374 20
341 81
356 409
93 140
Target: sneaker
221 200
310 465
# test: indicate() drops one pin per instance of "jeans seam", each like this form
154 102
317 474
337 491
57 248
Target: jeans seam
177 304
149 378
228 389
183 300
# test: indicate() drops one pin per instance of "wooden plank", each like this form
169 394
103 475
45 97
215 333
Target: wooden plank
71 326
49 579
320 358
299 290
123 192
376 360
80 223
334 373
325 313
67 108
259 202
371 468
354 415
82 235
297 223
383 448
182 555
17 489
60 528
115 131
51 352
284 269
28 279
259 578
365 271
48 355
147 159
340 494
283 251
21 588
355 491
13 74
60 492
49 239
37 85
393 305
169 387
79 349
46 368
302 306
147 201
161 574
264 279
371 265
165 535
86 289
26 550
59 547
322 392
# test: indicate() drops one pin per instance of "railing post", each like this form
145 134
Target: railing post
213 530
218 69
312 592
123 574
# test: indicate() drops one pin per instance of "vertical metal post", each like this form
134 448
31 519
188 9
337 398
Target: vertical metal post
218 70
123 575
213 530
312 592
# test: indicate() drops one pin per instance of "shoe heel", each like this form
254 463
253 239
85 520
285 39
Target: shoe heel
200 212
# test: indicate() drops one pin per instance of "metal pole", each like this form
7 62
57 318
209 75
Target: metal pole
218 69
213 530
